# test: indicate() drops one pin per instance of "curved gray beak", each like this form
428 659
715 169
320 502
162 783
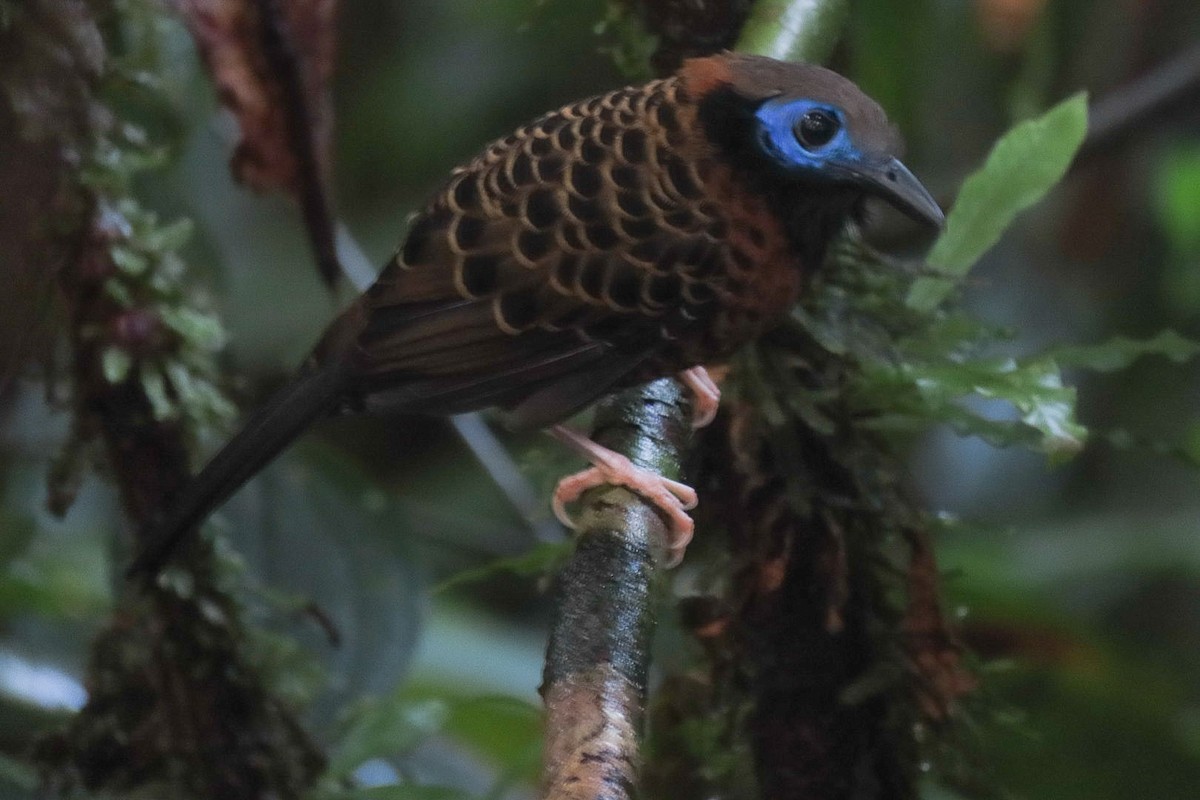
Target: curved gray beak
892 181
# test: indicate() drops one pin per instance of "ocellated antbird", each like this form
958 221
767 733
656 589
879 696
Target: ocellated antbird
637 234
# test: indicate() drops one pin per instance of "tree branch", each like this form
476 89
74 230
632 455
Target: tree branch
595 678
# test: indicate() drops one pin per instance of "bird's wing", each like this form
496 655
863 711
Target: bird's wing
573 245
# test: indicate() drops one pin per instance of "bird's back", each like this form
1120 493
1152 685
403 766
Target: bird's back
602 244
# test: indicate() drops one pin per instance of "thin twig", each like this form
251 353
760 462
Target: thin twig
1127 110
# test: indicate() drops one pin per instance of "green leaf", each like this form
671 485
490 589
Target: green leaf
506 730
200 329
155 388
168 238
16 532
1022 167
129 261
1044 409
1177 196
1121 351
116 364
17 774
794 30
1049 407
541 560
385 726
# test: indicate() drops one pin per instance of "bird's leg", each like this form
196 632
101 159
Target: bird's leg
706 395
673 497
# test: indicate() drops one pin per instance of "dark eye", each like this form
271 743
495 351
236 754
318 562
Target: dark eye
816 128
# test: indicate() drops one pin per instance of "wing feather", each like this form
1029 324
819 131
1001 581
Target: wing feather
579 236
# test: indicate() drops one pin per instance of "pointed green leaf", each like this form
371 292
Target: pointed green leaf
544 559
386 726
1121 351
1022 167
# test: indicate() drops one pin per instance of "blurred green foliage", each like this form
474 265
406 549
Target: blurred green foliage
1082 583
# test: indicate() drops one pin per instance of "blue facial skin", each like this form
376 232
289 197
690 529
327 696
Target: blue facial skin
777 135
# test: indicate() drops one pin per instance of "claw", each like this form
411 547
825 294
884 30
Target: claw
673 498
706 395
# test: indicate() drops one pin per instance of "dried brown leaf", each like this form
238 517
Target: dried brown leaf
272 62
246 45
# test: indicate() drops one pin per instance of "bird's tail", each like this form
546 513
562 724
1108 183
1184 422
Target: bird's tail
315 393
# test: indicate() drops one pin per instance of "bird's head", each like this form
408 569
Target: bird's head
800 123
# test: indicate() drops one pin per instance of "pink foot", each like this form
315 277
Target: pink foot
706 395
675 499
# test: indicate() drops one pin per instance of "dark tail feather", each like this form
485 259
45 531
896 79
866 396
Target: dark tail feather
268 432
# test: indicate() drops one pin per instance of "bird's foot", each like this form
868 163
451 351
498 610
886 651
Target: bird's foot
706 395
675 499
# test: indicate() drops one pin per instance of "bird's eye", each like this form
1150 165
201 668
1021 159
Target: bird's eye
816 128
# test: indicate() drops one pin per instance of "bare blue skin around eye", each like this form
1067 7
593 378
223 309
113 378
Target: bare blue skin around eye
777 135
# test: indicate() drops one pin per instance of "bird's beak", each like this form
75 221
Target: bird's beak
892 181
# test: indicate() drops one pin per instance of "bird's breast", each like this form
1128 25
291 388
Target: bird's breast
761 276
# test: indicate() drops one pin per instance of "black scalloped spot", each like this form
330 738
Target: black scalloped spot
479 274
550 168
572 237
645 251
504 184
534 244
583 210
639 227
468 232
624 290
633 146
608 135
541 146
669 257
632 204
466 192
566 138
602 237
663 288
681 178
585 180
519 309
666 117
681 219
625 177
522 169
591 278
541 208
566 271
591 153
697 293
707 264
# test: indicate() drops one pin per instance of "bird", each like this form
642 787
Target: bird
637 234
